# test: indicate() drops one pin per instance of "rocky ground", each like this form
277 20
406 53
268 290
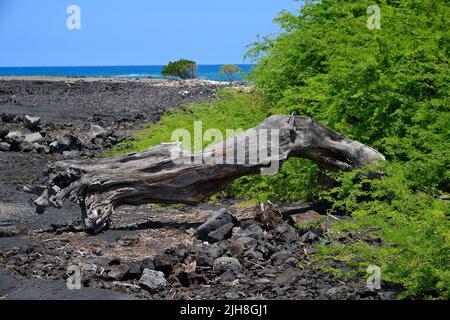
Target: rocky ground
212 251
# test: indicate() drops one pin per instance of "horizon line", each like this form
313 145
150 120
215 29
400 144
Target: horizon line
124 65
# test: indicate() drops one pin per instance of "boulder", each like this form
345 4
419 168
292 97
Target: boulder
41 148
184 93
247 223
215 251
53 146
26 146
223 264
89 267
68 142
309 237
204 261
97 131
5 146
309 217
33 189
135 270
288 277
235 248
32 123
98 141
148 263
255 255
98 251
3 132
120 136
285 233
9 231
165 263
254 231
7 118
34 138
152 281
280 257
18 118
118 272
292 262
70 154
114 261
263 281
218 220
247 241
229 276
128 241
220 234
14 138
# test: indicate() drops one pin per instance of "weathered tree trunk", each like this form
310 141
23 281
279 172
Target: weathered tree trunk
166 174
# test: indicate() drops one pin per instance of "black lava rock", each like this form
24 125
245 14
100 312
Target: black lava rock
218 220
220 234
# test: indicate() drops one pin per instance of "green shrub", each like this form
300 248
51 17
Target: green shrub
230 70
295 181
388 88
184 69
414 228
367 84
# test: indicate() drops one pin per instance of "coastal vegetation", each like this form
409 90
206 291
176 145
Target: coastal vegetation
387 88
184 69
230 70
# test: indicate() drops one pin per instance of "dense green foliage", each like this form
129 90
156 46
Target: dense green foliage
404 232
184 69
388 88
230 70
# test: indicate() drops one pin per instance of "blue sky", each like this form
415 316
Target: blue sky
133 32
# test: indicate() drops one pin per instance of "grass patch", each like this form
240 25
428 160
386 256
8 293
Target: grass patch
230 109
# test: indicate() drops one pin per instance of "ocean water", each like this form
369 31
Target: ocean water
206 72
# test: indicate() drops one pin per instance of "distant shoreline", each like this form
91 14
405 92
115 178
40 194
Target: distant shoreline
151 81
203 72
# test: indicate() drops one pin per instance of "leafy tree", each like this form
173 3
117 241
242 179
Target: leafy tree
388 88
369 84
184 69
230 70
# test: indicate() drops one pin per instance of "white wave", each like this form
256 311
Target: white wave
133 75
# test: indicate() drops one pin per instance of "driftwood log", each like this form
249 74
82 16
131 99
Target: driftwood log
166 174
